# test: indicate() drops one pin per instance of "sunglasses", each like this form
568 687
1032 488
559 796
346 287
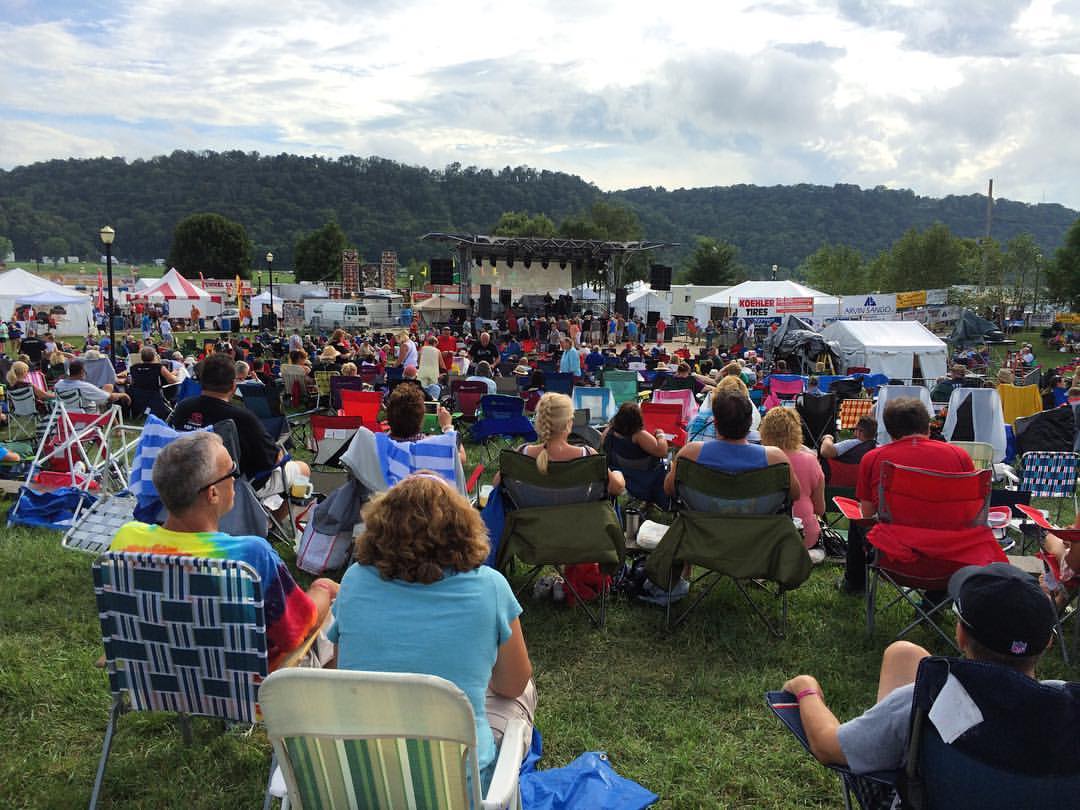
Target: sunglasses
234 473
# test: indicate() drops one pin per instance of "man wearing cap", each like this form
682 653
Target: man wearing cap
1003 618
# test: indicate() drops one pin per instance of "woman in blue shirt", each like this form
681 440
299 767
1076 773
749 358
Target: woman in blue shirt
419 598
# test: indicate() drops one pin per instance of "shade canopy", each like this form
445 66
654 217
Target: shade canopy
18 284
172 286
889 347
51 299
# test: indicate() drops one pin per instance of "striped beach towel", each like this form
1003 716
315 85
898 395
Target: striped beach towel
401 459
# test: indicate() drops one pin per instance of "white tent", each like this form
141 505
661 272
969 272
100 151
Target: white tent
18 284
643 300
889 347
262 298
181 295
761 291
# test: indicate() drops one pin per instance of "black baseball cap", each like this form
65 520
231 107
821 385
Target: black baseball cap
1003 608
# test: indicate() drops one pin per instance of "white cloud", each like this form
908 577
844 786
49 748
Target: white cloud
936 97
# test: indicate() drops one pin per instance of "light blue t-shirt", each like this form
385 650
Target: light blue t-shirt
452 628
570 363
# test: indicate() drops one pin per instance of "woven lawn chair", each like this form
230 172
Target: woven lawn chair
622 384
563 517
598 401
382 740
930 525
852 410
181 634
1053 573
733 525
1050 475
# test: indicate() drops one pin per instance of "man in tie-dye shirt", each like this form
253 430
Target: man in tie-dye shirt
194 476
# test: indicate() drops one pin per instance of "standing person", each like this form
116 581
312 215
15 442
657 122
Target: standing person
431 366
710 333
407 354
418 598
692 330
781 427
570 362
166 332
3 336
195 323
661 330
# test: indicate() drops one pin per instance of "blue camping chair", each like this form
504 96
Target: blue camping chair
502 416
559 383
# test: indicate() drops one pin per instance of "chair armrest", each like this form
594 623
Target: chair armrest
503 790
296 656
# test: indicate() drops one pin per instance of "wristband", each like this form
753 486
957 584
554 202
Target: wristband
807 693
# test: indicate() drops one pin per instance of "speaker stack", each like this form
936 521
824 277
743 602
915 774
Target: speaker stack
660 277
485 301
442 271
506 298
620 302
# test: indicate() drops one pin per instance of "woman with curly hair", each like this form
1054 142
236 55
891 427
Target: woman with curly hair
781 427
419 598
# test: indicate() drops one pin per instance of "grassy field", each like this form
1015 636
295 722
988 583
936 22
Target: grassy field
683 714
89 271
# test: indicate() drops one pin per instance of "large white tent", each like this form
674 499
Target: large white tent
17 285
761 291
262 298
889 347
644 299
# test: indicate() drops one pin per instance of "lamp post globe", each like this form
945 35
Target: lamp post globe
107 236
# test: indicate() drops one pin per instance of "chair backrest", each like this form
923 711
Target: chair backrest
623 385
322 381
145 376
665 416
364 404
928 499
507 385
182 634
23 401
331 435
852 410
624 455
386 739
982 453
598 401
341 383
578 481
501 407
755 492
559 383
818 413
467 396
256 398
683 397
1048 475
72 399
99 371
786 386
1022 753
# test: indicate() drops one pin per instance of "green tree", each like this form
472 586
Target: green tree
6 248
1063 275
837 270
610 222
55 246
712 262
927 260
318 255
519 223
1020 263
212 245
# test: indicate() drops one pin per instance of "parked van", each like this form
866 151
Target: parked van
349 315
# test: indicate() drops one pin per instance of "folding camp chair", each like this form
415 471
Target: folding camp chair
507 385
146 391
23 418
322 388
930 524
684 398
644 474
982 454
385 740
298 385
181 634
466 398
975 416
735 525
783 388
665 417
99 371
559 383
365 405
818 415
563 517
1050 475
330 435
1054 574
341 383
255 396
501 417
599 402
73 402
622 384
852 410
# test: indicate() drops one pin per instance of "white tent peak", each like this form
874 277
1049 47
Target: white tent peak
782 288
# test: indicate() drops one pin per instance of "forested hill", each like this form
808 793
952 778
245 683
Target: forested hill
382 204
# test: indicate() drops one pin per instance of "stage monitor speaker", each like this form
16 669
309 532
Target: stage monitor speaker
620 302
660 277
485 301
652 317
506 297
442 271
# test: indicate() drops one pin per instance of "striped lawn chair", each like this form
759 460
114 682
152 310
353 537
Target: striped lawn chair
181 634
382 740
1047 474
852 410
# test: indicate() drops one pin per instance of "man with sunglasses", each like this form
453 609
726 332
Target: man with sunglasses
195 476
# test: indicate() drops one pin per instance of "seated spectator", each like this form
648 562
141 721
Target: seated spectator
944 388
1067 555
348 369
595 360
865 437
626 437
554 423
482 373
18 376
88 392
908 423
1002 618
420 599
147 356
194 476
730 451
782 427
813 386
405 410
327 360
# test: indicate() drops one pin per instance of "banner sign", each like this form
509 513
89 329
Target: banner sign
869 307
907 300
936 298
1069 318
771 308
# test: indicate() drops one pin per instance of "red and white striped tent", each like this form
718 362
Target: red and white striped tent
172 287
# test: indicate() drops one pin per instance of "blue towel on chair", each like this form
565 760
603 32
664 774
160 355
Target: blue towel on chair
155 435
400 459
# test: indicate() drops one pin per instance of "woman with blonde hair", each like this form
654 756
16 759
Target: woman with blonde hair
554 421
781 427
418 598
18 376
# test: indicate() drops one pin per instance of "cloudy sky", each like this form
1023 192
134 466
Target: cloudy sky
933 96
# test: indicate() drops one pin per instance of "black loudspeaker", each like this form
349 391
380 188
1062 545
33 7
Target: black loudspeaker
506 297
652 318
442 271
485 301
620 302
660 277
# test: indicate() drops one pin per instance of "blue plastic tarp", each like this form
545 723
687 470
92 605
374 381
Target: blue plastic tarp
587 783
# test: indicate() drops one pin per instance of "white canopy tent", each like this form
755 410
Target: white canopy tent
262 298
644 300
17 286
889 347
761 290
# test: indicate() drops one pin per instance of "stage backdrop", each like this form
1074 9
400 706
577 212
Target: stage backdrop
534 280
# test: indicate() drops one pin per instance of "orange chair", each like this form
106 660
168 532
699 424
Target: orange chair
365 405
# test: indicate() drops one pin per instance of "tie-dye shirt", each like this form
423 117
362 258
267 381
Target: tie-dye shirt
290 613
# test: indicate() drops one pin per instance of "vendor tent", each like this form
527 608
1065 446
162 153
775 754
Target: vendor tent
643 299
180 293
761 291
438 308
263 298
17 286
889 347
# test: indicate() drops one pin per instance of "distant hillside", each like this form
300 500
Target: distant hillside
382 204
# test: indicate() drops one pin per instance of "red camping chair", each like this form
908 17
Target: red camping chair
930 525
783 387
665 416
467 396
330 435
365 405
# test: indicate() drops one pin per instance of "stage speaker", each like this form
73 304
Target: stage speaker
506 298
652 317
620 302
660 277
442 271
485 301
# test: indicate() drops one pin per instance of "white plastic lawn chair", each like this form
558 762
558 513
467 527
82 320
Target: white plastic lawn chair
350 739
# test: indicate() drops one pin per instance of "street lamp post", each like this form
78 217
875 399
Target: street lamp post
107 236
270 272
